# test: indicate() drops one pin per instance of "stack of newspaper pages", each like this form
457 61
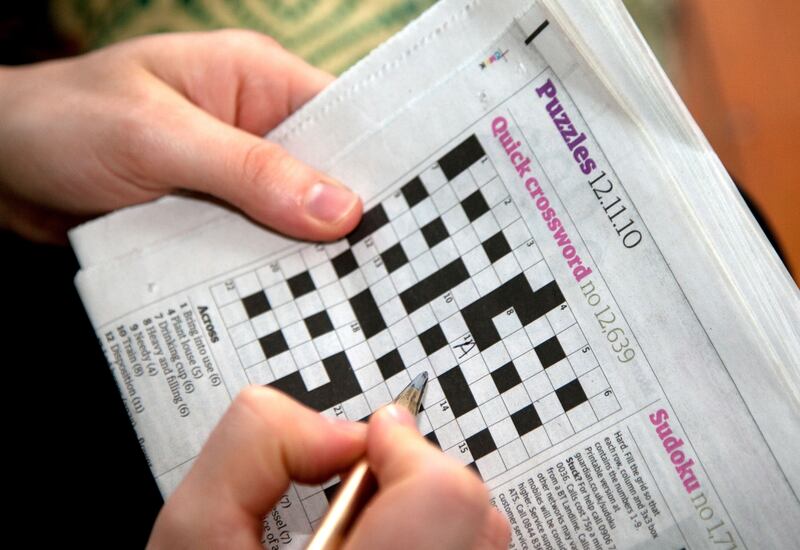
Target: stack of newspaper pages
613 344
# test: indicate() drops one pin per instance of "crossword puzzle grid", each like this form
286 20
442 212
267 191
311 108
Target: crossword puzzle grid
443 276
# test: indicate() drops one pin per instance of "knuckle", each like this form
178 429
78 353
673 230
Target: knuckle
262 164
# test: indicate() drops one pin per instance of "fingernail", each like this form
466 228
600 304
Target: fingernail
401 416
328 202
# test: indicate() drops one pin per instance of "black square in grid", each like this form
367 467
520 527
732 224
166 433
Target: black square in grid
414 192
390 364
433 439
319 324
394 258
273 344
433 339
345 263
506 377
256 304
571 395
331 491
434 232
496 246
301 284
474 468
550 352
475 206
481 444
526 420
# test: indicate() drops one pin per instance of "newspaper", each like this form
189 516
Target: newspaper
531 240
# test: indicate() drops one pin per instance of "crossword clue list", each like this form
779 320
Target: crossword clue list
442 275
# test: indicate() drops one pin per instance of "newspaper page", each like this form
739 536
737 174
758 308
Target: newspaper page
517 244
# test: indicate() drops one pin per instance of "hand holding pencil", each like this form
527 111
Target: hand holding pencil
424 499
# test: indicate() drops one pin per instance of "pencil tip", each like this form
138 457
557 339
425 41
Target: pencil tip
420 380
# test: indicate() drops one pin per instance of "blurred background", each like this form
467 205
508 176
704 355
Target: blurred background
77 471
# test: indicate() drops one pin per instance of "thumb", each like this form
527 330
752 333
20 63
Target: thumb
196 151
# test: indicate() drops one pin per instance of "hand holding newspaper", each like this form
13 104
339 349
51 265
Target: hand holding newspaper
612 343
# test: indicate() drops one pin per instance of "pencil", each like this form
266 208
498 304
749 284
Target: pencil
360 484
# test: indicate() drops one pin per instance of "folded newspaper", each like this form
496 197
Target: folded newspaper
613 343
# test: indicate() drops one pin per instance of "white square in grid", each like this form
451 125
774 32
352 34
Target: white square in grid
353 283
278 294
377 396
314 376
538 386
392 311
418 368
356 408
264 324
403 278
471 422
269 275
315 506
362 252
594 382
305 491
402 331
424 265
314 255
495 356
548 407
583 360
432 179
395 205
445 252
560 318
476 260
490 465
474 368
494 410
571 339
485 281
514 453
465 293
516 398
506 322
411 351
309 304
517 234
404 225
538 275
464 348
517 343
335 248
374 270
560 373
384 238
536 441
383 290
464 185
424 212
444 198
414 245
247 284
465 240
440 414
433 391
328 344
494 191
359 355
441 360
224 294
604 405
423 319
484 389
455 219
559 429
503 432
282 364
507 268
398 383
460 453
251 354
369 376
449 435
291 265
539 331
260 374
483 171
581 416
287 314
485 226
505 214
349 337
242 334
381 344
341 315
233 314
332 294
305 354
528 255
423 423
528 364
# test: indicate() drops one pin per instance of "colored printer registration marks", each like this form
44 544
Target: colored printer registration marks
442 275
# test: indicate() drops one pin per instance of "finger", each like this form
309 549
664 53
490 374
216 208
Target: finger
188 148
496 532
263 441
425 499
